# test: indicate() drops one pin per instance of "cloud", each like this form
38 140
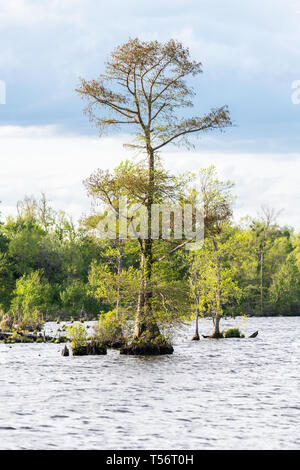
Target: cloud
42 159
249 50
251 55
33 12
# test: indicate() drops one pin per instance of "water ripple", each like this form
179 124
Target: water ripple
233 394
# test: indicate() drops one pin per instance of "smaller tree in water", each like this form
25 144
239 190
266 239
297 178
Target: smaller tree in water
212 281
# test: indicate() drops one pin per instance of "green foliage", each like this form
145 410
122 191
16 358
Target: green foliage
51 268
114 288
24 246
284 292
80 343
110 329
6 323
6 281
233 333
77 335
213 284
32 298
74 296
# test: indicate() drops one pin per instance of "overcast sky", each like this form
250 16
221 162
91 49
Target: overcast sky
250 52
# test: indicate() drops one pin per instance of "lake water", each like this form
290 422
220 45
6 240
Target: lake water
211 394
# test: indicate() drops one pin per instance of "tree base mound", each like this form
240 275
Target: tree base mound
196 337
147 349
214 336
217 336
118 344
149 343
110 335
91 349
230 333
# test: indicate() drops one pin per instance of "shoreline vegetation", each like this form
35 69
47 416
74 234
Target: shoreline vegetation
81 343
141 288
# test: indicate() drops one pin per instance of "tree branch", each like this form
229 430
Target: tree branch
157 260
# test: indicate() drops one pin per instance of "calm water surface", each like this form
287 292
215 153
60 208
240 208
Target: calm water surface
212 394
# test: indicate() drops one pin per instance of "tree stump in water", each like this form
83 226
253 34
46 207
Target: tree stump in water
65 352
254 334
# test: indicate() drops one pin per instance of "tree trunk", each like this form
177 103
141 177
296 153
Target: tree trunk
144 317
216 330
144 321
139 318
147 339
119 262
196 336
262 269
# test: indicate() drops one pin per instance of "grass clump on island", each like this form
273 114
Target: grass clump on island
233 333
81 344
109 330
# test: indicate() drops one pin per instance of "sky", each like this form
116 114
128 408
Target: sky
250 53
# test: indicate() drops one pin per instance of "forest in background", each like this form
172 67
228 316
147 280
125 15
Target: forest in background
52 267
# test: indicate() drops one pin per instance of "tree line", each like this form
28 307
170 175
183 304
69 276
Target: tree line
56 268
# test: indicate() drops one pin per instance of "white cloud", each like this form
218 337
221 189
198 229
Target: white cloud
29 12
40 159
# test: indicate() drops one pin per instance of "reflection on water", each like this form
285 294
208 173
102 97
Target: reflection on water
232 394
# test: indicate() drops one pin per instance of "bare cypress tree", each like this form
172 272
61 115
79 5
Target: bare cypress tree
144 88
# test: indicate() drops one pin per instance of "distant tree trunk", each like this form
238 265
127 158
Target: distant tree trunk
216 318
262 271
249 309
196 336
